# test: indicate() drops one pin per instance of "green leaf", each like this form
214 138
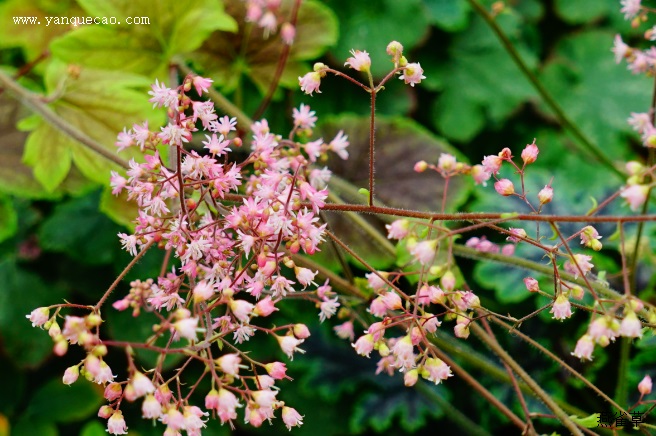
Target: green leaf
449 15
20 293
32 427
370 26
507 281
591 421
13 384
378 409
8 218
480 81
98 103
226 59
58 402
175 27
16 178
33 38
584 11
78 229
48 153
93 428
582 65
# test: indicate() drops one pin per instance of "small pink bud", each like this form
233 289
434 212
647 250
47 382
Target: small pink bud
410 378
421 166
288 33
301 331
645 386
112 391
448 281
531 284
105 412
545 195
530 153
71 374
504 187
277 370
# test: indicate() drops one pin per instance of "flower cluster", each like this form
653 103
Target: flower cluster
410 73
266 15
233 229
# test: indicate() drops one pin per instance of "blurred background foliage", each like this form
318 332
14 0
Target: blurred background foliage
58 222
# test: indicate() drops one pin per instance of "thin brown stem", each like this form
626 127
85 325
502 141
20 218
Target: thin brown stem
123 273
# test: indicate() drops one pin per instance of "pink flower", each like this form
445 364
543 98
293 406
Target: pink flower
203 291
242 310
635 195
412 73
392 300
436 370
291 417
345 330
229 363
631 327
590 237
124 140
303 117
399 229
583 262
328 308
116 424
424 251
360 61
265 307
310 82
193 419
620 49
117 183
364 345
545 195
202 84
375 281
216 145
288 33
289 344
227 405
562 309
338 145
446 163
584 348
480 174
151 408
492 163
630 8
305 276
39 316
530 153
504 187
461 331
163 96
186 328
645 385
